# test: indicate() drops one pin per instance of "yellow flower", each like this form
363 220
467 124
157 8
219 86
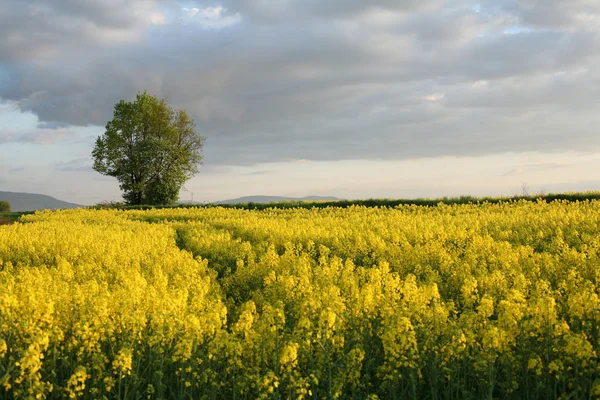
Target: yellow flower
122 363
76 383
3 348
289 355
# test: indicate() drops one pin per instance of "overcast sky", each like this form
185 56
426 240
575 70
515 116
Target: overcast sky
351 98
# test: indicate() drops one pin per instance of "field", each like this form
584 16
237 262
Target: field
443 302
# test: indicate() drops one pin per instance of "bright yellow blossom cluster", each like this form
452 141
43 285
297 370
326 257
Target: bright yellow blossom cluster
449 302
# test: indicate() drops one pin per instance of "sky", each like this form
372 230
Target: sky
347 98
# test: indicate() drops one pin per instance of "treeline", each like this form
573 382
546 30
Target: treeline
7 218
427 202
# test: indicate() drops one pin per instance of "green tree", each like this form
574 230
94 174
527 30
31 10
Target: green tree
150 148
4 206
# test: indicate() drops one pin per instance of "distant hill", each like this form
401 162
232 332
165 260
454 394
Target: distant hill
273 199
32 202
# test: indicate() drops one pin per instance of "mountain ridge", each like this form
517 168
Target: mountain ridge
33 201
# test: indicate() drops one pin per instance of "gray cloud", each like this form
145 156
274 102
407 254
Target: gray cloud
548 13
35 136
322 80
216 169
274 11
532 167
43 29
262 172
82 164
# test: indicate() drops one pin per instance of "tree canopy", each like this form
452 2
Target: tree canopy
4 206
150 148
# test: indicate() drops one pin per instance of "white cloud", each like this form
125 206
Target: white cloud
515 171
191 12
435 97
158 19
211 17
213 12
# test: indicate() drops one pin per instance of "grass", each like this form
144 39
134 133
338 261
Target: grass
11 217
429 202
7 218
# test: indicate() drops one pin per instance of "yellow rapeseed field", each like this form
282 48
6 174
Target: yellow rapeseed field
446 302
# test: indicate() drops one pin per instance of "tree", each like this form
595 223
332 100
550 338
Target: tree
150 148
4 206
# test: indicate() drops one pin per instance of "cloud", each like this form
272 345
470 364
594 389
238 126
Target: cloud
215 169
515 172
45 29
75 165
210 17
158 18
435 97
536 167
283 80
35 136
571 14
272 11
262 172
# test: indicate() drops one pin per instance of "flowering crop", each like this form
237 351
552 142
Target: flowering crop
450 302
